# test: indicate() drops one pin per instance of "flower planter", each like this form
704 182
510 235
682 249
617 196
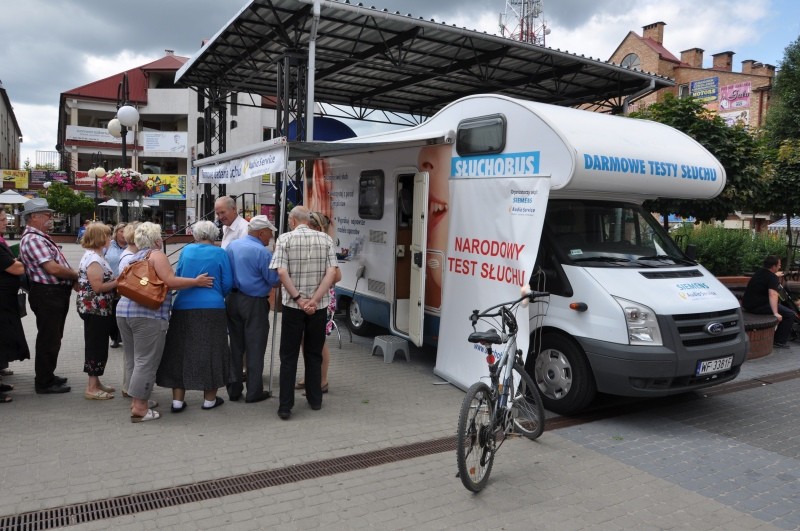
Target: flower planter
125 196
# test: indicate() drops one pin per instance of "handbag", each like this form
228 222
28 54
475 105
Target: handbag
22 301
140 283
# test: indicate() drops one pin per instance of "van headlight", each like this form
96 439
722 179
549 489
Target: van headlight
642 324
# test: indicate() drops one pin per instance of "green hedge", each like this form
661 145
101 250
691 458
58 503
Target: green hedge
726 252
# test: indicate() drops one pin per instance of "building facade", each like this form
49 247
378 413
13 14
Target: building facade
167 138
736 96
10 133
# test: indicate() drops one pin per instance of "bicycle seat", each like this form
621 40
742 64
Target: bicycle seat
490 336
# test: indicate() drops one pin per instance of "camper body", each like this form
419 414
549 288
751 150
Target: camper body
629 314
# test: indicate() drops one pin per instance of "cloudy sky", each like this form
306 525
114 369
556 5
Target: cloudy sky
53 46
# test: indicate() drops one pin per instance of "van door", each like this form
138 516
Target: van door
419 237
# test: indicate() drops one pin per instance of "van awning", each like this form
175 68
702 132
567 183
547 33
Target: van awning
315 150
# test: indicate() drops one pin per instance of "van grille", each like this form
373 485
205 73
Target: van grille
671 274
692 328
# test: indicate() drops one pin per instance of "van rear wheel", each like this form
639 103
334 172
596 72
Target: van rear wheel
355 321
563 375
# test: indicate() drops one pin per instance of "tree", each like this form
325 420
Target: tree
62 199
783 117
735 148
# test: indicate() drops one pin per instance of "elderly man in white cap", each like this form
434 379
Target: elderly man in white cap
248 308
51 280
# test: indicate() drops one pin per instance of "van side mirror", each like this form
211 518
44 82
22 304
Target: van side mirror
691 252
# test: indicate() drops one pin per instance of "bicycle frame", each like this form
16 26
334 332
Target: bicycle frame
492 413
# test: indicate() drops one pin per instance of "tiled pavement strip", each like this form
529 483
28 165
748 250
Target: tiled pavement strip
728 461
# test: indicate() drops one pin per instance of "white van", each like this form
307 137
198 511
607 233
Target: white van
629 313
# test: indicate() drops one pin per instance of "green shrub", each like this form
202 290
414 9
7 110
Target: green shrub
727 252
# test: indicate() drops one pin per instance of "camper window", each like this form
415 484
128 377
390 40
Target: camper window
481 136
370 195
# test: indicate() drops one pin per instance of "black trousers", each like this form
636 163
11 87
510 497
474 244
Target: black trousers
50 304
96 329
784 330
295 326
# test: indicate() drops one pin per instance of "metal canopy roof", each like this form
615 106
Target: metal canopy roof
372 59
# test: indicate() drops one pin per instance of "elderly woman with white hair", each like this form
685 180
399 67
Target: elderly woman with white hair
196 354
144 330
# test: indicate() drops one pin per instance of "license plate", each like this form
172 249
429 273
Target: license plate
712 366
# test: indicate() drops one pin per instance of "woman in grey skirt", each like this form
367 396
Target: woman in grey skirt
196 353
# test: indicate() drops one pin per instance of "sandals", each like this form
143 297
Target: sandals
106 388
4 388
5 398
299 385
98 395
150 415
6 372
324 389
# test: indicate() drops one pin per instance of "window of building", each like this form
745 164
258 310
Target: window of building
631 61
234 103
683 91
268 133
201 102
234 124
201 130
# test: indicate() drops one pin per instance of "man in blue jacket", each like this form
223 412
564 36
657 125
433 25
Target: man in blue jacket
248 308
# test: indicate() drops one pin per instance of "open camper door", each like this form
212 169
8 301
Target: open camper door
419 237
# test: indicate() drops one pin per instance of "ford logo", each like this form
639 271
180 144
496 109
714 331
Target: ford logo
715 329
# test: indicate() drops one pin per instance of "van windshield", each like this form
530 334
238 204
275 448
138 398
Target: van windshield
610 234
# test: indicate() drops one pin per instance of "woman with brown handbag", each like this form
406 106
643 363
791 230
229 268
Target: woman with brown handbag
144 330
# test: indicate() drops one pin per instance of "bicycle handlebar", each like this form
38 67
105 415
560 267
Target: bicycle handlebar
531 296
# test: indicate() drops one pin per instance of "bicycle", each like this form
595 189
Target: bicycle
510 405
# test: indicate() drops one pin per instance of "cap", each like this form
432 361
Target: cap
261 222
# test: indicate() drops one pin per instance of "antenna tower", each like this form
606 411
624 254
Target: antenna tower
523 20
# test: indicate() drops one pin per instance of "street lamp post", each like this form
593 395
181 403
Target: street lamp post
97 171
127 116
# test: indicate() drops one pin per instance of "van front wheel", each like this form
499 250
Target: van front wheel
358 325
563 375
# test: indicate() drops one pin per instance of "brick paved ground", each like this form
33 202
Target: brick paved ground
729 461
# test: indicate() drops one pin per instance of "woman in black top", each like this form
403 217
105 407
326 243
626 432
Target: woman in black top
13 345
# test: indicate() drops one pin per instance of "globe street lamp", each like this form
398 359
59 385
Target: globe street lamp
127 116
97 171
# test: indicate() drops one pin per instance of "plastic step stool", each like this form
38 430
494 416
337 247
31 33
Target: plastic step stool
389 345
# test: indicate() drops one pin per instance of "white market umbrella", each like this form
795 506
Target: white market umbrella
10 197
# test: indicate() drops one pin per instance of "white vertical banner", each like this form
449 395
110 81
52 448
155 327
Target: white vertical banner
495 229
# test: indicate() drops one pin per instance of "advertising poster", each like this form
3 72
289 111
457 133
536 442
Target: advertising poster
96 134
171 187
705 90
490 257
18 177
741 116
40 176
167 142
736 96
235 171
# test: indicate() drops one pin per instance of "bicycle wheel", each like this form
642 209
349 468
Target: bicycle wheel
526 406
474 439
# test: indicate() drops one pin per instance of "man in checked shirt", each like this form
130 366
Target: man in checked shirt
51 288
306 264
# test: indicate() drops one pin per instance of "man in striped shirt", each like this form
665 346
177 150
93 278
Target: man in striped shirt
306 264
51 287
